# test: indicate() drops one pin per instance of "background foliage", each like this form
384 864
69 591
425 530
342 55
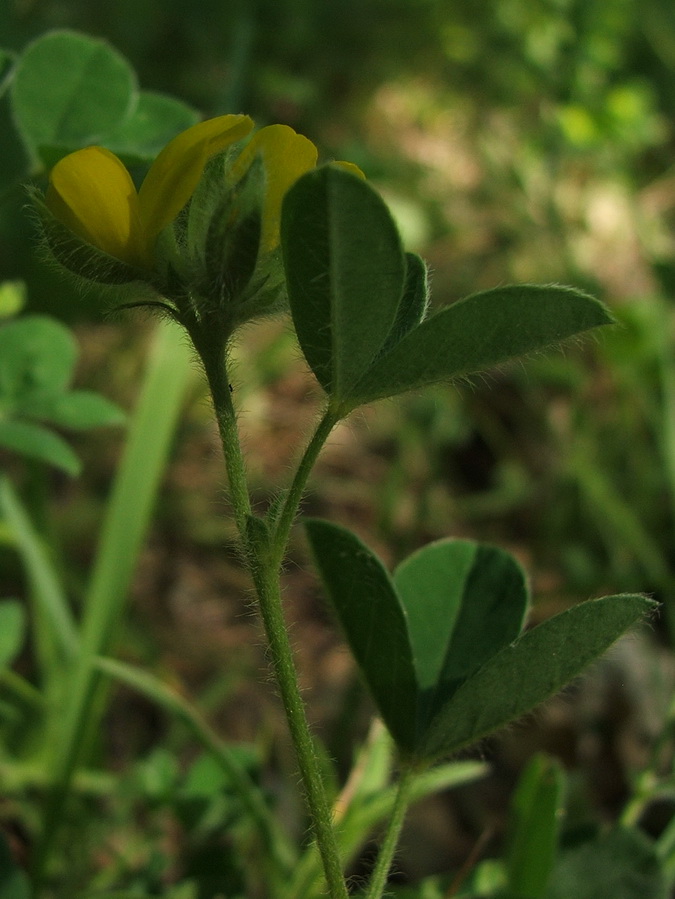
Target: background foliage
514 140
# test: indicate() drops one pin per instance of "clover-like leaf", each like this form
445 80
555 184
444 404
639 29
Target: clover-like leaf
530 670
464 601
374 622
37 442
359 305
155 120
345 271
439 644
478 333
71 90
37 357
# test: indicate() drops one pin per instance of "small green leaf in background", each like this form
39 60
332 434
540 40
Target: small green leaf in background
37 354
12 630
71 90
36 442
535 811
76 410
156 119
620 864
345 270
37 358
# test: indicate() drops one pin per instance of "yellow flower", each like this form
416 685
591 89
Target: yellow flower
91 192
286 156
222 266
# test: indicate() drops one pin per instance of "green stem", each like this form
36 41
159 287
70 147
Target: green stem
216 375
289 510
269 596
264 560
378 879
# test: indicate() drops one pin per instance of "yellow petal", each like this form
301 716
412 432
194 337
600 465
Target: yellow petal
175 173
92 193
286 155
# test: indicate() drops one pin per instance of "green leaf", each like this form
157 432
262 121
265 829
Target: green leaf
535 810
12 630
154 122
477 333
374 623
71 90
37 354
438 646
358 309
38 443
345 273
77 409
414 301
464 601
620 864
531 670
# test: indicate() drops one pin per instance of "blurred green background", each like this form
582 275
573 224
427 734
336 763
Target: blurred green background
515 140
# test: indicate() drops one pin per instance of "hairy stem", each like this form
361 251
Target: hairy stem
264 558
378 879
216 374
269 595
292 502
